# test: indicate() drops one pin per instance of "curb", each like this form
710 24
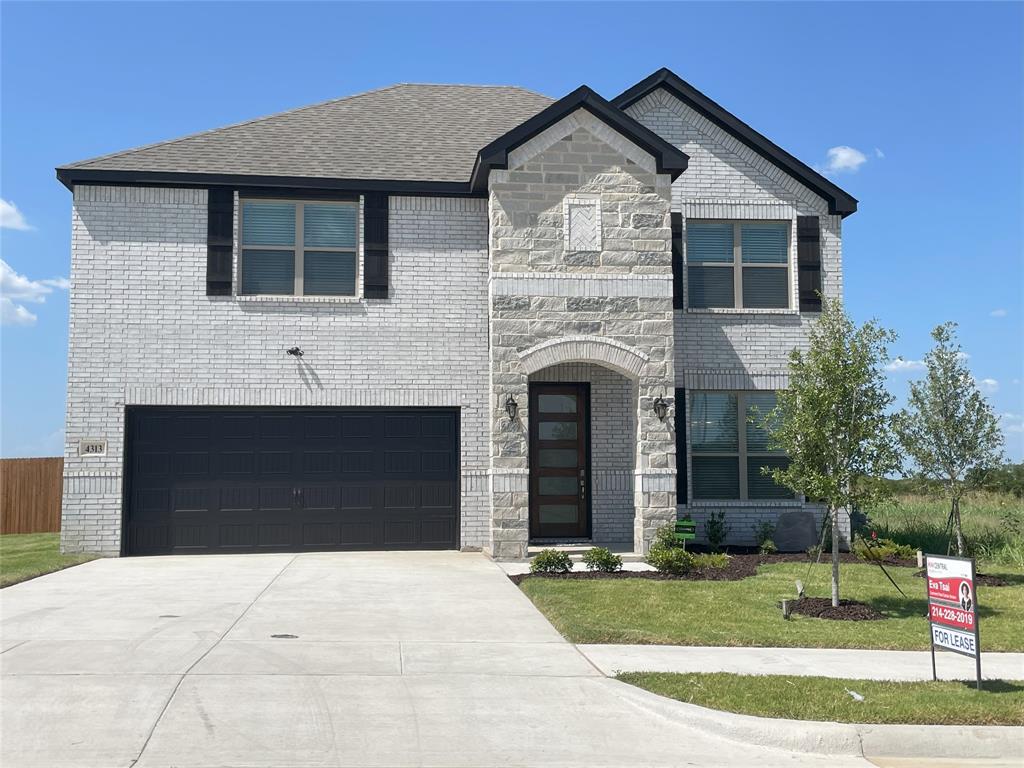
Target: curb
850 739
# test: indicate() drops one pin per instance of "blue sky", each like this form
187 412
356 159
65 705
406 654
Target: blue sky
927 97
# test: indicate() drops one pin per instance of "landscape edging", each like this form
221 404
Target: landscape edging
855 739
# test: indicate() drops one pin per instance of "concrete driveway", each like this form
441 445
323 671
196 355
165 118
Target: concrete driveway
377 659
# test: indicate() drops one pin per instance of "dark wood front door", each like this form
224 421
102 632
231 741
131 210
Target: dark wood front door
559 461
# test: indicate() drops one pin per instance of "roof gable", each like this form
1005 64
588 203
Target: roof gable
839 201
669 159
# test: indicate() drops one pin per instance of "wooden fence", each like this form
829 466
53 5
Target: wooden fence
30 491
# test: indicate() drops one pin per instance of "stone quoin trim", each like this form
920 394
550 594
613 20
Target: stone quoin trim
585 349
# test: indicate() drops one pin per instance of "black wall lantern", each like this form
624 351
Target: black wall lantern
511 407
660 408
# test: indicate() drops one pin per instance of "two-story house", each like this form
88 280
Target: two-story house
435 316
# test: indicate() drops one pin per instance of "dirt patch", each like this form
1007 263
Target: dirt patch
848 610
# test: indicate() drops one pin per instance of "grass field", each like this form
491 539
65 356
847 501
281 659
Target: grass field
993 525
821 698
27 555
746 612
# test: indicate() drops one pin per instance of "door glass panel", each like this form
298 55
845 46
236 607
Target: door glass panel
557 430
558 486
558 513
558 457
556 403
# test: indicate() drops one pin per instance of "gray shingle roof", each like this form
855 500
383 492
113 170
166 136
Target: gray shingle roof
402 132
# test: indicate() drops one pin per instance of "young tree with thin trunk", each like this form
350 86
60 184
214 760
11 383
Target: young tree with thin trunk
833 421
948 428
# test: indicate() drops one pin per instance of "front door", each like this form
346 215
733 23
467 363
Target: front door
559 461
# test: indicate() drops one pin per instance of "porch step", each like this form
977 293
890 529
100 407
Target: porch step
576 550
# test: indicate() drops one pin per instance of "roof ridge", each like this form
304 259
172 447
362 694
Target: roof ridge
250 121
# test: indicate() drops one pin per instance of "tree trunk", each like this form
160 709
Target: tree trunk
960 547
835 557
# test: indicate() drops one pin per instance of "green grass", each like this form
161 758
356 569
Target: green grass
823 698
993 525
745 612
27 555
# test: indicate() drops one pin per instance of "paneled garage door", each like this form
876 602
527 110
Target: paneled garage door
290 479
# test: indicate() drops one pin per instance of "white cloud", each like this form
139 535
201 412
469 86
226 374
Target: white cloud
899 365
843 159
998 313
11 217
14 314
1012 422
879 154
988 386
17 290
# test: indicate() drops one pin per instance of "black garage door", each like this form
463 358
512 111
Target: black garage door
290 479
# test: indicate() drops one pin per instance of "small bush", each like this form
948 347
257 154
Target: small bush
714 560
675 560
602 559
813 551
767 547
666 537
551 561
882 549
764 532
716 530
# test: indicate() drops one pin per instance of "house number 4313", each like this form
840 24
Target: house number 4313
92 447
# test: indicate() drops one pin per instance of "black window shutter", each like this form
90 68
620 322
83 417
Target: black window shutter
681 446
808 256
375 245
677 260
219 240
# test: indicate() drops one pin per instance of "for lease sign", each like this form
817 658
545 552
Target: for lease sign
952 604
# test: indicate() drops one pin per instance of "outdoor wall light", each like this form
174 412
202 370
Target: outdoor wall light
660 408
294 352
511 407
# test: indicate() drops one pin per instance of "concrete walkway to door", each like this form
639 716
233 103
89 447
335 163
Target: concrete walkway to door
340 659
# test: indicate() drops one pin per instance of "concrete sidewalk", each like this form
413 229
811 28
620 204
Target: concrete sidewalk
824 662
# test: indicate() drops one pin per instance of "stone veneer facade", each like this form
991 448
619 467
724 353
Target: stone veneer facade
542 313
519 306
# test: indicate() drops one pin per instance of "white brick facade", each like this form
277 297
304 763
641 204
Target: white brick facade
484 297
144 332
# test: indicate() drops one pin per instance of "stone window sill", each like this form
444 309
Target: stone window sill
731 311
299 299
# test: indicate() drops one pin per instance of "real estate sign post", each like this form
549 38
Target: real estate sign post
953 608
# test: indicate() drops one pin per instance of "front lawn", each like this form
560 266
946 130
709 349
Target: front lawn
746 612
27 555
824 698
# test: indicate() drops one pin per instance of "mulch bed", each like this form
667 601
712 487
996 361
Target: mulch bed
848 610
738 567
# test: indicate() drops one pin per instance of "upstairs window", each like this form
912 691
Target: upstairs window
293 248
738 265
729 447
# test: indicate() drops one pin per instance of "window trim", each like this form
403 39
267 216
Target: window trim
737 264
741 455
299 248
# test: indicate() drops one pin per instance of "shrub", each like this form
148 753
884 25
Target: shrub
813 551
673 559
602 559
714 560
666 537
767 547
716 530
764 532
882 549
551 561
